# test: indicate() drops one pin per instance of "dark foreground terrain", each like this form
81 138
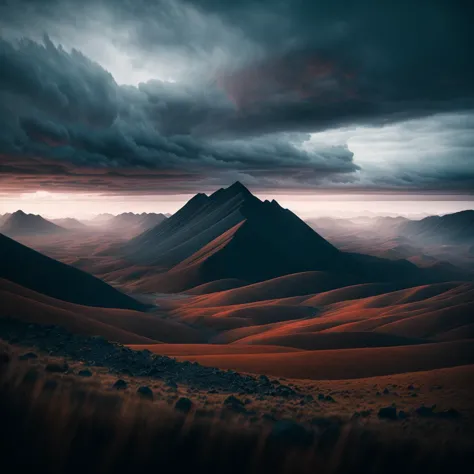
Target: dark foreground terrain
73 410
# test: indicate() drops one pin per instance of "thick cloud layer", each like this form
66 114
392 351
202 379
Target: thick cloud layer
184 94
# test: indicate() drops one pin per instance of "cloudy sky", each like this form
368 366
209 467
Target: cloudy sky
141 103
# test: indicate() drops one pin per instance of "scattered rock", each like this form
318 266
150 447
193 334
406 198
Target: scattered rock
98 352
57 367
184 405
234 404
361 414
451 413
429 412
425 411
28 355
145 392
388 413
85 373
120 385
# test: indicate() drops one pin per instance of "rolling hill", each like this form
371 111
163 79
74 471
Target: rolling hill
119 325
33 270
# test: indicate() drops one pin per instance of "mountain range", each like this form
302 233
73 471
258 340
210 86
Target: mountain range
20 223
448 229
231 234
245 275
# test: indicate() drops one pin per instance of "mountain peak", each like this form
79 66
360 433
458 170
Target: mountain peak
21 223
238 186
19 213
236 189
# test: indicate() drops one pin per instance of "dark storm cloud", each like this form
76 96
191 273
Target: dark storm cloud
70 110
67 86
302 64
251 78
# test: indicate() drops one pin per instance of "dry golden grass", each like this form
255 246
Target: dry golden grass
71 427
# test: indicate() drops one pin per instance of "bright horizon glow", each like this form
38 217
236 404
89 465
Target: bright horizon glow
84 206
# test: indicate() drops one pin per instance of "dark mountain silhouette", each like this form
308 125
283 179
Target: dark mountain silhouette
20 223
448 229
36 271
232 234
200 221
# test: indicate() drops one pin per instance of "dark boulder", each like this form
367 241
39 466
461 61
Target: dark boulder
234 404
145 392
28 355
425 412
120 385
451 413
184 405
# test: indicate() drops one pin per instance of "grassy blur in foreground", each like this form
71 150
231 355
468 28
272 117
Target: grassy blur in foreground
54 425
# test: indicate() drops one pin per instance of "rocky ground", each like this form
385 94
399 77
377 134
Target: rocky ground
98 364
98 352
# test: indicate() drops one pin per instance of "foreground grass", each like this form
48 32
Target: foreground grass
62 425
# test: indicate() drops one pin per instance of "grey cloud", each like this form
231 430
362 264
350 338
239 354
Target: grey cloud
99 124
432 154
65 85
251 75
